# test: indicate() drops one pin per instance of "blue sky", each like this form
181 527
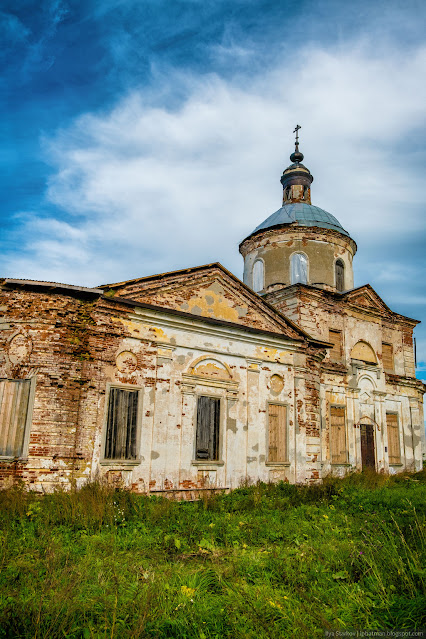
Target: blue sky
145 136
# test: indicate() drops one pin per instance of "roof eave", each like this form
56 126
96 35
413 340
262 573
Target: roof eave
296 224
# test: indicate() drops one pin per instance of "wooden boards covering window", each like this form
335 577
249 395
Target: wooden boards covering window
340 275
393 438
120 442
338 451
277 433
208 418
335 337
387 357
14 399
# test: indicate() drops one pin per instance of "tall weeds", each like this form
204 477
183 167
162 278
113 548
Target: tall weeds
264 561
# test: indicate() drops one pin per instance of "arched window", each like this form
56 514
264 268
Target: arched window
299 268
340 275
258 276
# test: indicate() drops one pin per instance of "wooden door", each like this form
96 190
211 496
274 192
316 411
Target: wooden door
368 456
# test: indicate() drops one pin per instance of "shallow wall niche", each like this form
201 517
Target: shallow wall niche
366 388
299 268
258 277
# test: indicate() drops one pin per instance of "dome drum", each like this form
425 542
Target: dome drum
321 257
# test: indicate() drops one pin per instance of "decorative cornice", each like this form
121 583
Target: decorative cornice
193 380
195 325
362 366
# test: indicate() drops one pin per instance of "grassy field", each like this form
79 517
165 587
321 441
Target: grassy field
264 561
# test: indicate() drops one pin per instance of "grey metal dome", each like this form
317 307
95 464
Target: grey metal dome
304 215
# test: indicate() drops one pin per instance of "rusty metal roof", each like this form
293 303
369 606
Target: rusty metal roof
303 214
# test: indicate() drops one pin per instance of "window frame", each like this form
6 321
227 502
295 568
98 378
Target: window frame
106 461
346 462
28 421
221 427
286 461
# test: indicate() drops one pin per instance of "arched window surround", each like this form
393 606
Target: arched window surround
258 275
293 279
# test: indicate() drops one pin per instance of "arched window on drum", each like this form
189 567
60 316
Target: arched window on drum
340 276
258 276
299 268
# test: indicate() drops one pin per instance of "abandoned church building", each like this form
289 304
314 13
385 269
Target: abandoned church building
193 380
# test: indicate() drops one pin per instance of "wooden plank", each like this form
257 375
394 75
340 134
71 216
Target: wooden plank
340 276
23 395
13 415
208 422
214 428
132 431
335 337
394 448
368 456
7 416
338 451
203 427
121 423
14 398
387 357
109 427
277 422
4 400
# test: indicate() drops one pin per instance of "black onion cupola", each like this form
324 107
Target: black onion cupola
296 179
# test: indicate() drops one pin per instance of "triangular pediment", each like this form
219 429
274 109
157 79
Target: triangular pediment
209 291
366 297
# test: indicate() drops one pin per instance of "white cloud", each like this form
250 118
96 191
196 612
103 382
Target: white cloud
146 188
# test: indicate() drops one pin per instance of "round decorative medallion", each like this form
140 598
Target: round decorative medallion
126 362
277 383
20 348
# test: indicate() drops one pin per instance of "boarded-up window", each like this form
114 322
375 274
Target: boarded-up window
277 433
120 442
387 356
335 337
14 401
340 275
393 438
338 451
208 418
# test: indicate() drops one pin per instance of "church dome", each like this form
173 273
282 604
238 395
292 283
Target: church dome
302 214
300 243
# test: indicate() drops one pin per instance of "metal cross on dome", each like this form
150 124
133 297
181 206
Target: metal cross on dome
296 131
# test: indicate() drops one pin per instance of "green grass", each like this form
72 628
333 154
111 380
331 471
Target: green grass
264 561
